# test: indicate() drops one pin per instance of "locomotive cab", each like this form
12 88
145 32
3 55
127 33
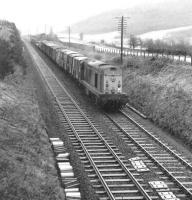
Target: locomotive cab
104 83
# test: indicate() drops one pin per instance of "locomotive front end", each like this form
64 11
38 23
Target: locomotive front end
113 97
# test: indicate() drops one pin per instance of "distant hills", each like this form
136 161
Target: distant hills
142 19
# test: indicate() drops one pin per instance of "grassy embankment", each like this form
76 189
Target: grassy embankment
27 168
162 90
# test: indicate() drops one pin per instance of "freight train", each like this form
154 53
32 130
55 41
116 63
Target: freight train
101 81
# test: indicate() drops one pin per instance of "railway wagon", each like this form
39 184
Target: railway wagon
77 64
68 59
60 58
101 81
50 49
71 62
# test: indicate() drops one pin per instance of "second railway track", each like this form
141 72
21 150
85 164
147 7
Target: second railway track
171 163
112 176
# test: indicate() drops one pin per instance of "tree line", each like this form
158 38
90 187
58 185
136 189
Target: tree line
180 48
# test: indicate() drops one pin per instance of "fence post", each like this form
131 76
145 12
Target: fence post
191 59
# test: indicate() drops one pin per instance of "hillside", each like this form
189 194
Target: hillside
142 18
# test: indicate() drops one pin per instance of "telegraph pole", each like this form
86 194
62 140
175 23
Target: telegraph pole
122 19
69 36
122 25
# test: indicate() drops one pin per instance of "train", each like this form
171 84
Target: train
101 81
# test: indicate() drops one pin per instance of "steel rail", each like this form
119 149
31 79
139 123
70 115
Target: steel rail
135 110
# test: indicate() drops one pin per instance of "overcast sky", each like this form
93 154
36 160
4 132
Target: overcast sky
36 15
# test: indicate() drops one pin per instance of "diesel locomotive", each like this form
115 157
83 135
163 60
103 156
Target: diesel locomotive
101 81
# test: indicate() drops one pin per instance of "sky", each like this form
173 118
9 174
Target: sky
36 16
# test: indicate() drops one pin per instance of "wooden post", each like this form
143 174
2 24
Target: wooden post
191 59
69 36
122 39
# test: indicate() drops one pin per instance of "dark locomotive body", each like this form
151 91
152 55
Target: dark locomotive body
101 81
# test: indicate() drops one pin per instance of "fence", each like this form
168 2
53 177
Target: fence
143 53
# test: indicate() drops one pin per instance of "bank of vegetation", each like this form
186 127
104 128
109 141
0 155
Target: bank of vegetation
162 90
27 167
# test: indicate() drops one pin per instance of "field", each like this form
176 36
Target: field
176 34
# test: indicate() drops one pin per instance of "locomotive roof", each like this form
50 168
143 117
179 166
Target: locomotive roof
70 52
81 58
49 43
64 50
99 64
57 47
76 55
96 63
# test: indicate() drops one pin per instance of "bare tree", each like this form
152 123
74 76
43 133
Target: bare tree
140 43
133 41
149 45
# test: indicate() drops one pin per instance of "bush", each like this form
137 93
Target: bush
6 65
98 57
116 60
167 103
133 62
155 65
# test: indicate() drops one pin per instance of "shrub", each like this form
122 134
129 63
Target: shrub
6 66
166 103
116 60
98 56
153 65
133 62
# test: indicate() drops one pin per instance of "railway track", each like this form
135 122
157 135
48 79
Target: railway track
113 176
116 178
172 165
